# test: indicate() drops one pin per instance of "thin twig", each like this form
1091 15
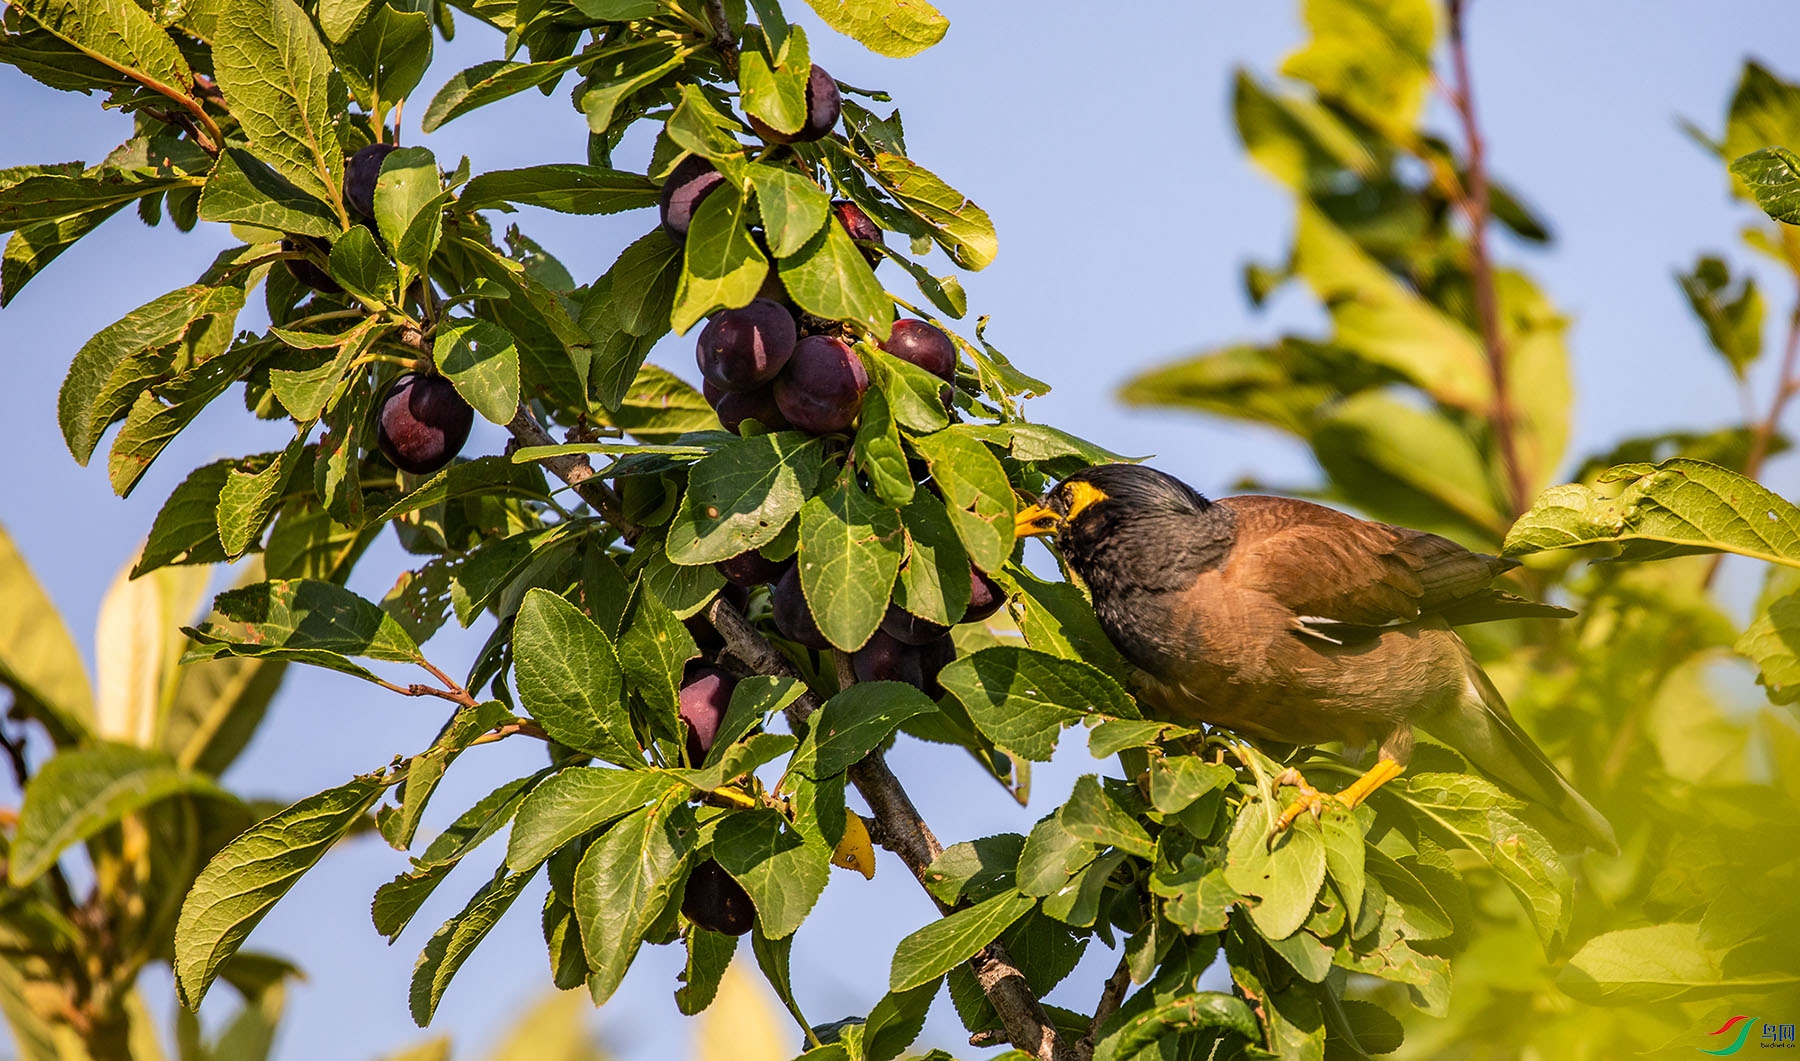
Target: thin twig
1762 437
417 689
1475 204
523 727
15 755
1784 391
451 685
902 830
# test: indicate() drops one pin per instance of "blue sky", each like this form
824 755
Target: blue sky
1101 143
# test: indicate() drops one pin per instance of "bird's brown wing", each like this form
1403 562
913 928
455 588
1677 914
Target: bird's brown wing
1326 565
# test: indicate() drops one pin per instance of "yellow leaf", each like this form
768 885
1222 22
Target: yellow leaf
855 851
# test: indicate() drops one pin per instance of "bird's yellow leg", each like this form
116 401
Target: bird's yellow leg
1313 801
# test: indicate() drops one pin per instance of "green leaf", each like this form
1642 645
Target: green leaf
776 95
1189 1012
653 649
452 944
397 901
570 680
615 77
248 498
1410 465
32 248
251 873
783 870
643 283
284 619
1021 699
242 189
489 82
482 360
850 550
1472 812
963 229
563 187
81 791
1675 508
1344 853
110 369
895 28
941 946
975 869
1092 816
914 396
977 494
385 58
793 208
1732 315
156 417
186 528
1285 878
855 722
1177 781
405 190
123 36
697 125
1659 963
1384 321
743 495
49 196
1773 177
38 660
623 885
936 583
1374 59
358 263
1772 641
829 277
709 954
276 73
216 708
753 702
724 268
578 800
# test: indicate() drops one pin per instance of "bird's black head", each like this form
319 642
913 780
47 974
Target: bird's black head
1127 524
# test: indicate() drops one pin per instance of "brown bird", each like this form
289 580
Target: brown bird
1289 621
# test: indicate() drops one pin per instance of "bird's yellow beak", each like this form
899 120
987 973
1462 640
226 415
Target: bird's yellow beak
1036 520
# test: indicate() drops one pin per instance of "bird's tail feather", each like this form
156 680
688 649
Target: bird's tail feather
1483 730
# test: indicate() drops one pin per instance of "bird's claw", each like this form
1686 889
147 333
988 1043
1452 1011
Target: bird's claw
1310 801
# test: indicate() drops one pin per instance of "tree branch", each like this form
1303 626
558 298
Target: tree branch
722 38
1475 204
574 469
901 829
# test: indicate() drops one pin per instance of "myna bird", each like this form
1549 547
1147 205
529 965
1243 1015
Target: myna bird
1289 621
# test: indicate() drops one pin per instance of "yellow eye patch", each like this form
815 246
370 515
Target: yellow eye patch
1082 495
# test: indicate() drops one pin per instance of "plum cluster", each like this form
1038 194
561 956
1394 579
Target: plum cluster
755 365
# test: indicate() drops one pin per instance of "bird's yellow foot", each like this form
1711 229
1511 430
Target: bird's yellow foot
1312 801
